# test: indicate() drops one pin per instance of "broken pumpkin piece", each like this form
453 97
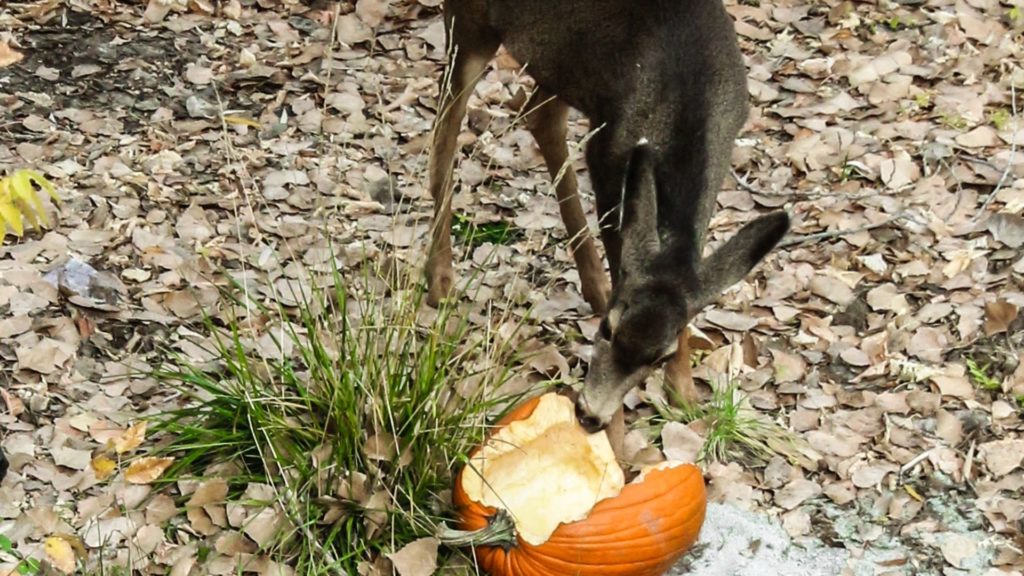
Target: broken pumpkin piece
542 496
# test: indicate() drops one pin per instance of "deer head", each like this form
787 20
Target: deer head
659 289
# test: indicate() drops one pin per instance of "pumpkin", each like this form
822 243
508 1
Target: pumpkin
542 497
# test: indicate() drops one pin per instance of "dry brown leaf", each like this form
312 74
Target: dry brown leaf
8 55
999 314
147 469
372 12
1007 228
46 357
71 458
788 367
954 382
264 526
157 10
549 362
796 493
381 446
213 491
417 558
887 297
680 442
130 439
929 343
832 289
1002 456
730 320
958 548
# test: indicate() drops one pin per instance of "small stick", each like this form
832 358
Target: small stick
916 460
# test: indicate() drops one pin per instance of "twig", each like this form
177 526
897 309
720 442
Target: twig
742 181
839 233
1009 161
917 460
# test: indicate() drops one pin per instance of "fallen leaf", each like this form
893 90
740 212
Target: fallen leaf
71 458
263 526
147 469
680 442
957 548
103 467
832 289
213 491
954 383
8 55
131 438
46 357
797 492
887 297
999 314
1007 229
929 344
1002 456
787 367
372 12
60 553
417 558
730 320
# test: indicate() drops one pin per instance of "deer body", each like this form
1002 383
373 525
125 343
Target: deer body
667 74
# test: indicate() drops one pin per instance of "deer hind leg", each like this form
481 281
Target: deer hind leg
679 374
472 49
547 116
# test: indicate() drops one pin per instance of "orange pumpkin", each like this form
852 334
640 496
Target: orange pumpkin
548 473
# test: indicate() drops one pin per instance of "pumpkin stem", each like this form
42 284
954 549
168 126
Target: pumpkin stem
500 531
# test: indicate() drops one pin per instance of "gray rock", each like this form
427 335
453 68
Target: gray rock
734 542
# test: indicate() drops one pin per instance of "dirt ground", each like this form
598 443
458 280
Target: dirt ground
187 145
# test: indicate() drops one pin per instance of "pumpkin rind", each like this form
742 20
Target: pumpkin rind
641 532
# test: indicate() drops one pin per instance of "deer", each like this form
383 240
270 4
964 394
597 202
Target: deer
663 84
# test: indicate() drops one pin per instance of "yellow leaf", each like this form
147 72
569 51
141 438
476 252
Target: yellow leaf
103 467
131 438
22 187
243 121
18 198
60 553
11 216
146 470
913 493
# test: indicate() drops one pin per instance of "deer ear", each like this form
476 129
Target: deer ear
737 257
639 227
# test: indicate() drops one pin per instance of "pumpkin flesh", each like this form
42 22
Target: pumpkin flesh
572 511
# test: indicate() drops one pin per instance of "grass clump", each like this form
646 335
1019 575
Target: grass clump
980 375
336 424
732 429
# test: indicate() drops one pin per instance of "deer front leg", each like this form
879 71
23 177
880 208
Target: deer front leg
679 374
464 70
547 116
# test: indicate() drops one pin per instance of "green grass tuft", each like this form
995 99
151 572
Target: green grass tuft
354 408
980 376
733 430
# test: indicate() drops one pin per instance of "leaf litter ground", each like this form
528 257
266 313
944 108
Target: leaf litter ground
886 334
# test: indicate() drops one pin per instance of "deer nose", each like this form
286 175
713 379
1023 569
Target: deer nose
589 423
